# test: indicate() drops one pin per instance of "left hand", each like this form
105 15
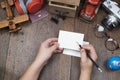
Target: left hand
47 49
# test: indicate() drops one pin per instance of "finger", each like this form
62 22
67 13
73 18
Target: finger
83 55
58 51
54 47
52 43
48 41
52 40
89 47
91 50
61 49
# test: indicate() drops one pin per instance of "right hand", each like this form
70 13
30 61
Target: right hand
86 63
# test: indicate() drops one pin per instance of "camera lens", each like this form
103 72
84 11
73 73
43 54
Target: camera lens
111 44
110 22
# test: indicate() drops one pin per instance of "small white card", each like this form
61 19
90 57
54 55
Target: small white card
74 52
68 40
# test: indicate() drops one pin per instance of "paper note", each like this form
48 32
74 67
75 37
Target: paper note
68 40
73 52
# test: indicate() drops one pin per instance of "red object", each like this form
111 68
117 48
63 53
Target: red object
31 6
90 10
94 2
18 7
34 6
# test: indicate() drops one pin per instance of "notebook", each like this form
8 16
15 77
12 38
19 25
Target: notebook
68 40
74 52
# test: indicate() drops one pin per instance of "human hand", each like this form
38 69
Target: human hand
86 63
47 49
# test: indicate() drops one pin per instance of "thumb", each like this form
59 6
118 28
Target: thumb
54 47
83 55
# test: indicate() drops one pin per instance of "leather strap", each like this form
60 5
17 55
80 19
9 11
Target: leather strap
28 1
23 6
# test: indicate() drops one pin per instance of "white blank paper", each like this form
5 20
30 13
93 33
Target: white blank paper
68 40
73 52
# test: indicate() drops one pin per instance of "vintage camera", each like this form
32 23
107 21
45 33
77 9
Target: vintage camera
112 20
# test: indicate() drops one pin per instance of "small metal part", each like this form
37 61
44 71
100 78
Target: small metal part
100 69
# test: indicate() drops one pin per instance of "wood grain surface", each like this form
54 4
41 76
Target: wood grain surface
17 50
72 2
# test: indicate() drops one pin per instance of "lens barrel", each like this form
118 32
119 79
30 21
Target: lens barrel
110 22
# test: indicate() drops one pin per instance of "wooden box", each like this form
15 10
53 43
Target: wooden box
64 7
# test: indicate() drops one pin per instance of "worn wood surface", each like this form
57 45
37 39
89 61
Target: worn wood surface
72 2
17 50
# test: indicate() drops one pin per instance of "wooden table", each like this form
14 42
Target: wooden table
17 50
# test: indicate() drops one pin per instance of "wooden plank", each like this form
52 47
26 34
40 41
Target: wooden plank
63 6
59 68
73 2
4 23
68 12
3 4
16 20
10 2
23 48
4 44
20 19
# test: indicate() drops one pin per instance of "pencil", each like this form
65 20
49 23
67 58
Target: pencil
91 59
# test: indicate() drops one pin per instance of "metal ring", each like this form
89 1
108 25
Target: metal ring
114 43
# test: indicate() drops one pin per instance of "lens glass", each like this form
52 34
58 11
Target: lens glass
111 44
